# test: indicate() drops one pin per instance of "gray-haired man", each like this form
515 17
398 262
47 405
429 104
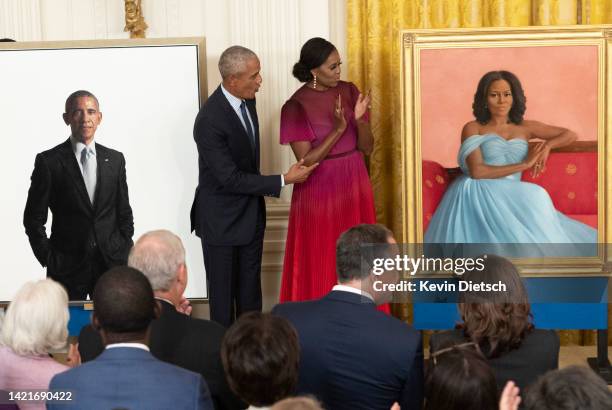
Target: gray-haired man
228 211
176 338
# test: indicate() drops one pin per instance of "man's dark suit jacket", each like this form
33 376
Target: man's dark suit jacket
538 354
78 227
354 356
230 188
176 338
130 378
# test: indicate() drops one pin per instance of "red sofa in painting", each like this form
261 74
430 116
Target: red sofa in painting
570 178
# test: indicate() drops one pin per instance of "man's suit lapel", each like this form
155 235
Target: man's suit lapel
71 166
103 182
237 124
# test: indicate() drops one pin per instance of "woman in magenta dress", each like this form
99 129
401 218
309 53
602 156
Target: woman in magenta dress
326 122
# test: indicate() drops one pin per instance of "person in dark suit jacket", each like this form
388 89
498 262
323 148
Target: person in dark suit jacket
84 185
228 211
499 322
126 375
175 337
352 355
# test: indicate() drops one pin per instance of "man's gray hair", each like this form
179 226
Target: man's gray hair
233 60
158 254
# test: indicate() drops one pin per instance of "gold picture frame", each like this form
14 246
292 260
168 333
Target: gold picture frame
416 43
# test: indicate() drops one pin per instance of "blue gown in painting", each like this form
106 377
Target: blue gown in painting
501 210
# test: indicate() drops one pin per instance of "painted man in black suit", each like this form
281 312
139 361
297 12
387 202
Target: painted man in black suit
354 356
84 185
228 211
175 337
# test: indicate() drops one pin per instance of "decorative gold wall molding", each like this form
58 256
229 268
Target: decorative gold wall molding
134 20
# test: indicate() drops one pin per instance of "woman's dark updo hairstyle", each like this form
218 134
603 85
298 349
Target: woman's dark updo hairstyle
314 53
479 107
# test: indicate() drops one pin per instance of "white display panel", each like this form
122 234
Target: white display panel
149 97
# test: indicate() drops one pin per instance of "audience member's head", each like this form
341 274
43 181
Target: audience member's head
160 256
460 378
36 320
497 321
260 354
297 403
573 387
124 305
356 250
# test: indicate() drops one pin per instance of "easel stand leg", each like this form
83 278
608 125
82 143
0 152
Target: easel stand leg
601 363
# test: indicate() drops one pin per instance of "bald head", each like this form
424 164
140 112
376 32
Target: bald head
160 255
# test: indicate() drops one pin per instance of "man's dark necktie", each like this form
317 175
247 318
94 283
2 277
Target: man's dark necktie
247 124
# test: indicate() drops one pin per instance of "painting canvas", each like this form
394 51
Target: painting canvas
563 76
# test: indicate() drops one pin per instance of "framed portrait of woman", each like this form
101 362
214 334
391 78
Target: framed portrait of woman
505 135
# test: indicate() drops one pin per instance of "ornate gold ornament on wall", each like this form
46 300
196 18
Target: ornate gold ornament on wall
134 21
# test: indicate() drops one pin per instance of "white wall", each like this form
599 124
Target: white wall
274 29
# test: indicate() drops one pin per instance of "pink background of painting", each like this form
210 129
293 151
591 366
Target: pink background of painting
560 84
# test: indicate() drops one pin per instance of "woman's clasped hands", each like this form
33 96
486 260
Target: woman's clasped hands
536 158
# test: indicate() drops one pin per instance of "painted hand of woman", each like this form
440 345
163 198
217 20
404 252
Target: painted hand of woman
339 120
362 105
534 158
540 165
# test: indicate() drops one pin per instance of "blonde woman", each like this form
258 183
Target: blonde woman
35 324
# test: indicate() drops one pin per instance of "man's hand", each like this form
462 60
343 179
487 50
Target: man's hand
184 306
510 398
298 172
73 359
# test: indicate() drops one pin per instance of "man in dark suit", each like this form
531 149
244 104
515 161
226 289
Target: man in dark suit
352 355
84 185
175 338
228 211
126 375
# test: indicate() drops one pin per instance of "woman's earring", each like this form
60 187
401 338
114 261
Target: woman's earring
314 82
